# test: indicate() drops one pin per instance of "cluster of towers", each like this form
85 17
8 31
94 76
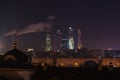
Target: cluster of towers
58 42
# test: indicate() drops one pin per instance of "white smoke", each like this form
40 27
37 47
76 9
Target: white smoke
51 17
38 27
11 33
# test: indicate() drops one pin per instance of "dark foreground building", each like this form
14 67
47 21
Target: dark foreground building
71 73
15 58
15 65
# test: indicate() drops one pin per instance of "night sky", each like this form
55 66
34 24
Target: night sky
99 21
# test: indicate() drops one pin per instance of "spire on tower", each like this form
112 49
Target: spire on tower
15 44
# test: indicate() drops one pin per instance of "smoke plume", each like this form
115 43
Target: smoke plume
33 28
39 27
51 17
11 33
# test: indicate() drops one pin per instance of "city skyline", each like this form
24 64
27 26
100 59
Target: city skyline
97 20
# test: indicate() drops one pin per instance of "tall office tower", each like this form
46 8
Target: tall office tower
54 42
48 43
64 44
59 36
57 41
71 39
79 39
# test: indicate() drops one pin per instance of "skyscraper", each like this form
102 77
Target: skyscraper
64 44
48 43
71 39
79 39
59 37
57 40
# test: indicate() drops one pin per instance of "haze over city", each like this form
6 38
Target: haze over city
59 40
30 20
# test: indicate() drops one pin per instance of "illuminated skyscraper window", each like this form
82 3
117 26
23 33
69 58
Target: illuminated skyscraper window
71 38
79 39
71 43
48 43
